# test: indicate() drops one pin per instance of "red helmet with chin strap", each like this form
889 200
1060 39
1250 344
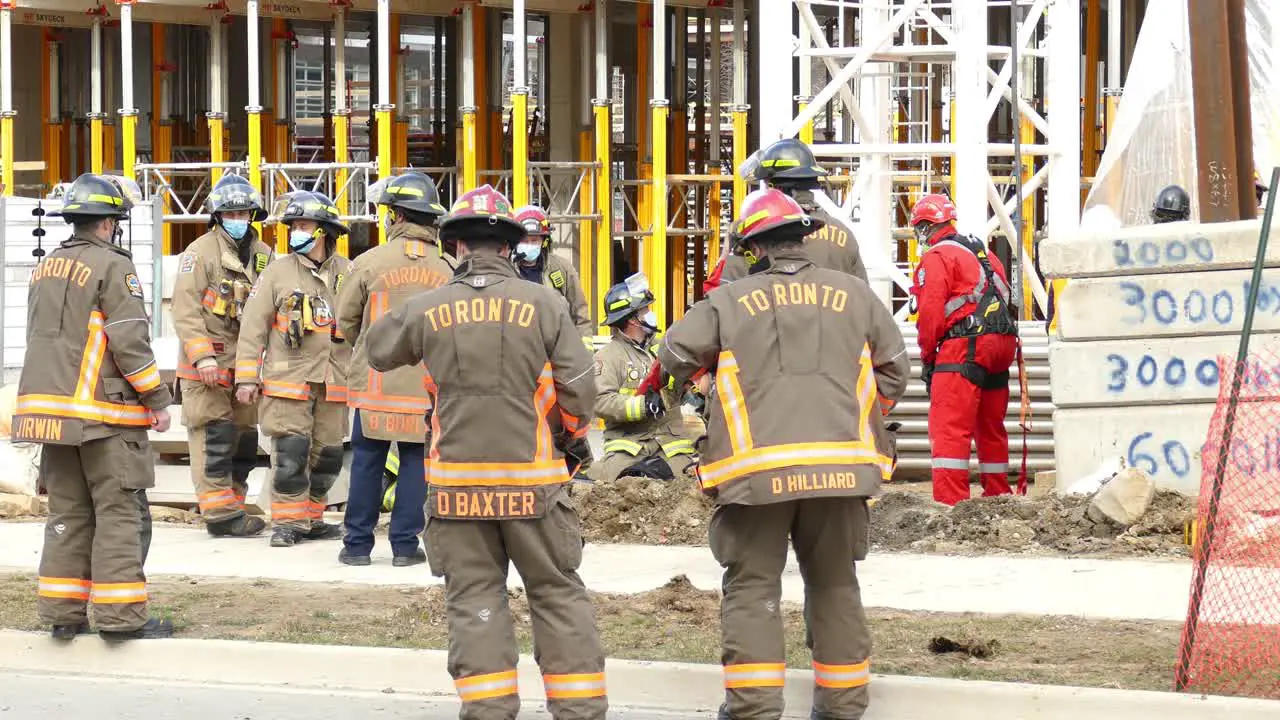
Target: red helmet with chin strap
934 209
534 220
770 210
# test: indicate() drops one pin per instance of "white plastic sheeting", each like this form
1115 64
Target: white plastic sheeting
1152 140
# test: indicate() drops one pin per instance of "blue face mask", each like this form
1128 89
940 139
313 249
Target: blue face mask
529 251
236 228
301 241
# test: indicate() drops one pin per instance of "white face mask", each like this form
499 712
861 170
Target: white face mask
649 319
529 251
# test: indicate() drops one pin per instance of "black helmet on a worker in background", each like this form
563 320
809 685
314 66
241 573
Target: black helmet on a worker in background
94 196
1172 205
233 193
626 299
789 162
306 205
413 193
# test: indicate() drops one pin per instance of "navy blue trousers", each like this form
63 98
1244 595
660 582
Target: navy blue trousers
408 516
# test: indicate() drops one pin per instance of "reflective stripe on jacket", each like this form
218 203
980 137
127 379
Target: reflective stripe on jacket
621 365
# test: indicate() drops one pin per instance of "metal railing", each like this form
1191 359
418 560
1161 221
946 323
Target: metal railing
183 186
347 184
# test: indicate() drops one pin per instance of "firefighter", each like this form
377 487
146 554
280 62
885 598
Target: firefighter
390 407
502 357
537 263
789 165
968 336
642 435
1172 204
293 354
89 392
215 275
804 358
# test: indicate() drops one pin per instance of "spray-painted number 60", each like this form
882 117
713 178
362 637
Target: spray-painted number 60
1176 457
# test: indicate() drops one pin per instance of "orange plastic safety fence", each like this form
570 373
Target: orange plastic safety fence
1231 641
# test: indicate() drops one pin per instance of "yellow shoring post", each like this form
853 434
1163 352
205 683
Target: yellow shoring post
739 156
806 132
1028 210
713 220
519 143
951 137
604 205
7 112
469 179
658 234
586 241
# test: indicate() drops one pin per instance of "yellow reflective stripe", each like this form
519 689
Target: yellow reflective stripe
755 675
678 447
119 593
108 199
63 406
867 392
578 685
627 446
842 676
732 403
776 457
635 408
781 162
496 474
402 190
482 687
95 348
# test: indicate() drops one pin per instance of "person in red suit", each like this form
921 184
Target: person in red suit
968 337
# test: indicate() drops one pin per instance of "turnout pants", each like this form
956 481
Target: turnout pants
306 454
473 558
98 533
620 454
750 542
223 440
408 516
961 412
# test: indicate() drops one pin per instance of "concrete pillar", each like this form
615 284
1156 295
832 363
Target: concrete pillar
563 108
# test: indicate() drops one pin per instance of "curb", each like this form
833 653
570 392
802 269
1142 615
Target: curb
632 684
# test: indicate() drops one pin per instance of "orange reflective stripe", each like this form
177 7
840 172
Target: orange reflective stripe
401 404
291 511
842 676
95 348
544 398
187 371
577 685
198 348
281 323
209 299
776 457
63 588
494 474
146 379
66 407
119 593
749 675
219 499
292 391
733 403
316 509
492 685
335 393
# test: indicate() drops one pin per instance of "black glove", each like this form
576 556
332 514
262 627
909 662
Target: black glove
926 374
577 451
654 406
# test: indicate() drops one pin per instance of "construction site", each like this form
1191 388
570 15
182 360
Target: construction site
1137 576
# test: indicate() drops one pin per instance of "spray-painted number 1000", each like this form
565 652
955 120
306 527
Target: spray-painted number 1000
1176 457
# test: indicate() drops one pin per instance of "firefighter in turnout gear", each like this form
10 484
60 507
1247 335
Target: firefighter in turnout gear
789 165
968 336
805 358
215 275
642 435
538 264
293 354
89 392
502 357
390 407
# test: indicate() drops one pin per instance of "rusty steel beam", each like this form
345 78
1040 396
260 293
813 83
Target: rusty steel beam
1243 117
1219 112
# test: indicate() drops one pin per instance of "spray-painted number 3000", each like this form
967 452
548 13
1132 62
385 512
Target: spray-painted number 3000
1176 457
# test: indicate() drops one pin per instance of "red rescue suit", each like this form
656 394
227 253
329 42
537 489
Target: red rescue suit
970 360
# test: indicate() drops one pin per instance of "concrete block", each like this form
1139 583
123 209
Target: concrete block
1211 303
1162 440
1124 498
1146 371
1143 249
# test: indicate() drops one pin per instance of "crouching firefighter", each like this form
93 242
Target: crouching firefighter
293 353
968 338
642 431
804 357
89 392
390 407
215 275
501 356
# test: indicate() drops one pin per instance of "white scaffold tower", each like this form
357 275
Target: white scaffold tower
916 96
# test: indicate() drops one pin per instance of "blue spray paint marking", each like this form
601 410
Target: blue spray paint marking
1252 455
1150 253
1174 374
1148 456
1196 307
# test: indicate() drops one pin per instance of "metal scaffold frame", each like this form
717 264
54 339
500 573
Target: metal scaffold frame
880 40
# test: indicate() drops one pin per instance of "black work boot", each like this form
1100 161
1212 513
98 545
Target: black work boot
239 526
322 531
65 633
418 557
347 557
153 629
283 536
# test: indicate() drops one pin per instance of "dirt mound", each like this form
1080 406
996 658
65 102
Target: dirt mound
640 510
1051 524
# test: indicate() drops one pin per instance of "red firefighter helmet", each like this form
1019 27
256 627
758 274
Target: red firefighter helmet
481 211
765 212
534 220
934 209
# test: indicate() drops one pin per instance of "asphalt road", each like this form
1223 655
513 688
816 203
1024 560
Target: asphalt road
40 697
